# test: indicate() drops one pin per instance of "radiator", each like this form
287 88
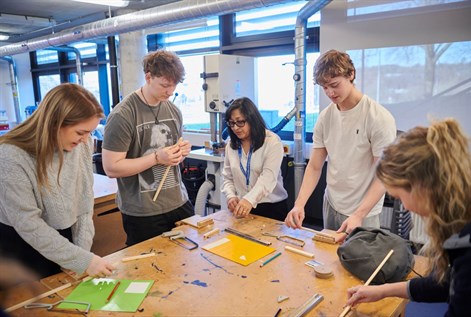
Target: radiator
417 233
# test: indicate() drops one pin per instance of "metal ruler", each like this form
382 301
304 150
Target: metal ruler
246 236
312 302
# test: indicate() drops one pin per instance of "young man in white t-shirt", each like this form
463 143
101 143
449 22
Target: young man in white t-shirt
351 134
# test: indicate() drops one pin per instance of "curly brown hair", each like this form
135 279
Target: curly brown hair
434 165
331 64
163 63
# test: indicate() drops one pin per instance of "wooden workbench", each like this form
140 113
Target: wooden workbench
199 283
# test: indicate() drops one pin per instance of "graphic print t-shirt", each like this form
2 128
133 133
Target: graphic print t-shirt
132 128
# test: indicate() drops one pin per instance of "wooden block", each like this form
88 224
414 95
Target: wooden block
204 223
327 236
195 221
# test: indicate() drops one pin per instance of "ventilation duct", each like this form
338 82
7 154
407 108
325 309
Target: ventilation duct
185 10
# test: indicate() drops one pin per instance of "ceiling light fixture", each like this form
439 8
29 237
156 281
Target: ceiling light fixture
26 20
110 3
4 37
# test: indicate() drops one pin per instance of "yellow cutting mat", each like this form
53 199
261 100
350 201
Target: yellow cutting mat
238 249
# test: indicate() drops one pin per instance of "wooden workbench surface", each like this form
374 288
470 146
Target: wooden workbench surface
199 283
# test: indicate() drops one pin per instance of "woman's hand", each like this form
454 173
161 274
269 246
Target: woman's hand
99 267
363 294
232 203
243 208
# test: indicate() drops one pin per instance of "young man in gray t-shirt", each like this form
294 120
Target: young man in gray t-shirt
142 148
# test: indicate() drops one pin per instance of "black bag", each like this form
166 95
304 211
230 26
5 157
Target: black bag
365 248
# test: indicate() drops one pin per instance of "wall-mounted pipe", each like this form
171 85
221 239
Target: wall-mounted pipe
78 59
300 91
185 10
113 71
202 197
14 86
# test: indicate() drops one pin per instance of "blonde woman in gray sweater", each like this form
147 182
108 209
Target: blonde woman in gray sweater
46 185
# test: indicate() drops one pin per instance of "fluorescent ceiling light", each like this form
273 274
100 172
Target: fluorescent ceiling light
4 37
25 20
110 3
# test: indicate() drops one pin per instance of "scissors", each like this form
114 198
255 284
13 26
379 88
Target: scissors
286 238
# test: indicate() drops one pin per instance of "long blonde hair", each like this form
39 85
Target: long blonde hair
64 105
434 165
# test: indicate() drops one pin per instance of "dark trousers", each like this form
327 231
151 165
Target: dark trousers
139 229
276 211
14 247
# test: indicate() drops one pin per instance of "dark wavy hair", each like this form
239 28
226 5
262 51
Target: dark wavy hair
253 118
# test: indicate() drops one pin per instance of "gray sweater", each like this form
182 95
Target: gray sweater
36 216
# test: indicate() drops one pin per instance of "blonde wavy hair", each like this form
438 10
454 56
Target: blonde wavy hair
64 105
434 165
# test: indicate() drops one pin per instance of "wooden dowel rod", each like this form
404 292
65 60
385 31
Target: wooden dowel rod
137 257
48 293
210 233
36 298
301 252
380 266
317 232
157 192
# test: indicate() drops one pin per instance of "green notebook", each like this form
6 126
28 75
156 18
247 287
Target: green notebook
126 297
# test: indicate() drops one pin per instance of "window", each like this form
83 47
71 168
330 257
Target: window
359 8
203 34
46 57
271 19
190 99
86 49
408 80
275 69
53 67
48 82
276 90
90 81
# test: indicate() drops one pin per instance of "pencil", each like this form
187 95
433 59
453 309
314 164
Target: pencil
113 291
270 259
278 312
